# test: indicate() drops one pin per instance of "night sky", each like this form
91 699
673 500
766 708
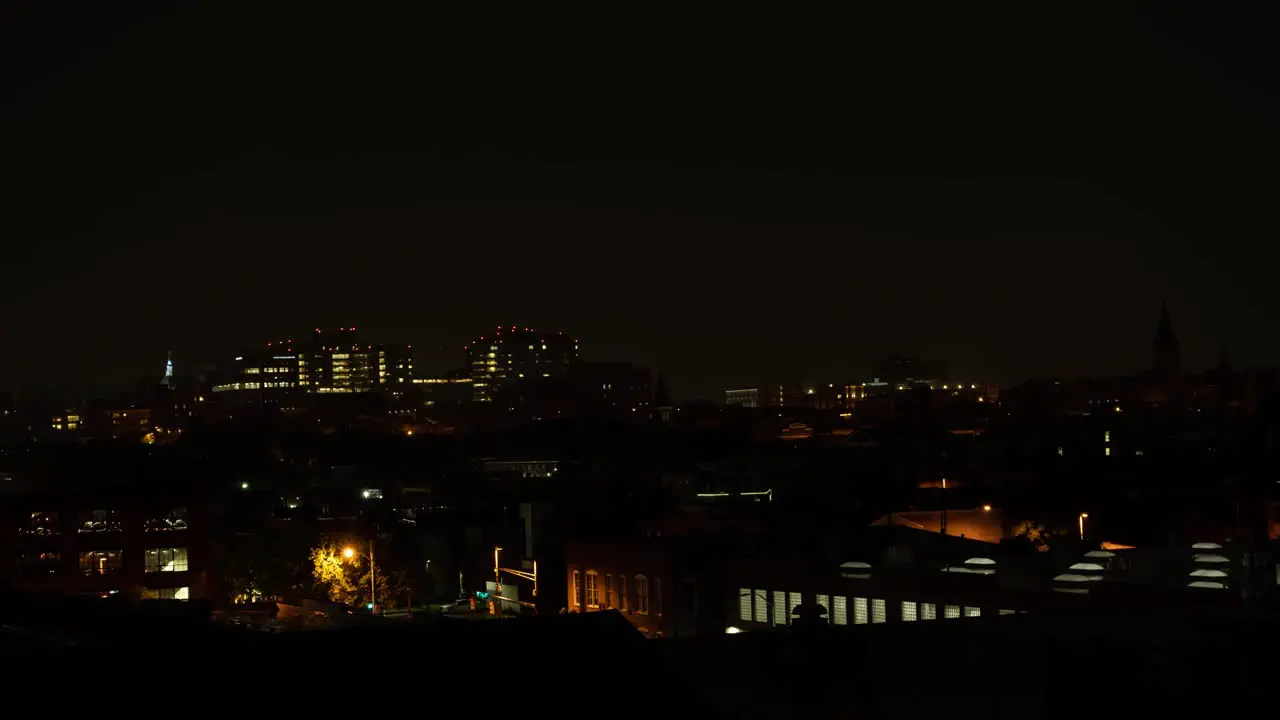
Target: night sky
728 198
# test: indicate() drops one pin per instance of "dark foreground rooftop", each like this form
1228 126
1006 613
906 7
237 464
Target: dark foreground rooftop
522 667
1051 664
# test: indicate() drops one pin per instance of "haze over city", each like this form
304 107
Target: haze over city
910 362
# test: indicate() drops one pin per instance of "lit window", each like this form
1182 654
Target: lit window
1107 452
1006 612
642 595
165 560
37 564
45 524
779 607
94 521
577 587
859 611
610 592
101 562
878 610
622 593
593 590
928 611
972 611
175 519
744 603
825 602
794 600
950 611
909 611
761 600
181 593
840 610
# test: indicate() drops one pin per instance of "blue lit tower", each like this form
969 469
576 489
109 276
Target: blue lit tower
167 382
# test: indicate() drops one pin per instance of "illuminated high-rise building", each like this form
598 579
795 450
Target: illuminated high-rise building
337 362
395 366
331 361
512 354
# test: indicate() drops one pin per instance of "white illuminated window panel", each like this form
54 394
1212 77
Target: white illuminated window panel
909 611
859 611
840 610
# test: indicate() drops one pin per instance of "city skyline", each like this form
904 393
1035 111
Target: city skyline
434 363
993 198
803 345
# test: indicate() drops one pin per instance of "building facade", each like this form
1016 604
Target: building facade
512 354
666 587
329 362
85 543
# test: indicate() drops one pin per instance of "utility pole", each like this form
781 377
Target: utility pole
497 575
373 579
944 506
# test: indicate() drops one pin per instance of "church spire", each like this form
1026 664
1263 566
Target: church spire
662 396
1164 331
1166 356
167 382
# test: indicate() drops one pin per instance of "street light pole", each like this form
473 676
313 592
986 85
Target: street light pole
497 576
348 553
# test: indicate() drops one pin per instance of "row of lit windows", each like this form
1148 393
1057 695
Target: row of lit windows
44 523
759 605
610 592
256 371
105 562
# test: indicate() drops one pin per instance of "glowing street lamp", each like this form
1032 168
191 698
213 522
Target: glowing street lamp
349 553
1083 517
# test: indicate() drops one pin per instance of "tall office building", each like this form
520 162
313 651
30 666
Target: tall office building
337 362
331 361
395 366
511 354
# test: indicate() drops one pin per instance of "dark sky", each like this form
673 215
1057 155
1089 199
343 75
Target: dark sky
728 198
